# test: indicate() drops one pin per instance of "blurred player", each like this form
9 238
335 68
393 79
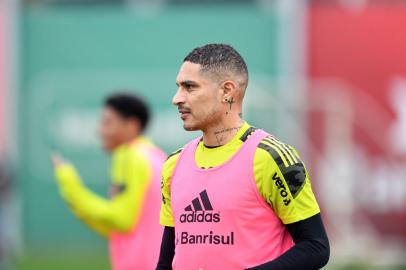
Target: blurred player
129 218
237 197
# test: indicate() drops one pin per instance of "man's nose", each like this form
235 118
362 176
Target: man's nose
178 98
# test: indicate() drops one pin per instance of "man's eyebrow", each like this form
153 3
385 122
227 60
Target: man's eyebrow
186 83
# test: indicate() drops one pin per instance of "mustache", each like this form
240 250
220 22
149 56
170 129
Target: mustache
184 109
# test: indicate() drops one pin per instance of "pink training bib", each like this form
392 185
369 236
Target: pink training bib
221 220
139 249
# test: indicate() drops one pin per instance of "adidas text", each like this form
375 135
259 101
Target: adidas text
200 216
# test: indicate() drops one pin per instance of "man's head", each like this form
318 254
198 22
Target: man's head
124 117
211 86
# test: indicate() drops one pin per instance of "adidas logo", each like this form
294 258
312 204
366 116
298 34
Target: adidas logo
196 211
196 203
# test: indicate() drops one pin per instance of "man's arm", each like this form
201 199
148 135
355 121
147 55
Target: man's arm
167 249
311 250
105 215
166 216
96 226
278 166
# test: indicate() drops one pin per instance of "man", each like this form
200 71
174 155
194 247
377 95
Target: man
128 219
237 197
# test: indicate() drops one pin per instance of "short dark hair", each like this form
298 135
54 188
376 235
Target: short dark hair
218 58
129 106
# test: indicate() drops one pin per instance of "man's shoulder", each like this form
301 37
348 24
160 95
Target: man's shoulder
282 153
170 163
128 159
174 156
247 133
284 158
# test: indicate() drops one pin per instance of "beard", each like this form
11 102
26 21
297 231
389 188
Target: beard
190 127
202 123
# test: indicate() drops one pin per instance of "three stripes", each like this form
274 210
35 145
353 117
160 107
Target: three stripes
197 206
288 157
286 153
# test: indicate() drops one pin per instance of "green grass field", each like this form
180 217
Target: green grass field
64 261
99 261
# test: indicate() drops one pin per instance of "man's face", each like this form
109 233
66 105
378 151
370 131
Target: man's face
198 97
113 129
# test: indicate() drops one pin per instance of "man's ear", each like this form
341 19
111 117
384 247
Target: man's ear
135 124
229 89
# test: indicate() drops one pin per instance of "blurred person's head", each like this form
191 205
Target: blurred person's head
211 86
124 117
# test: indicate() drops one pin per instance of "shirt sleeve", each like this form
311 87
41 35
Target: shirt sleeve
166 214
121 212
283 181
311 249
97 227
167 251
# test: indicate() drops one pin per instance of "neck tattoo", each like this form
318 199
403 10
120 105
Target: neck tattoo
231 102
220 136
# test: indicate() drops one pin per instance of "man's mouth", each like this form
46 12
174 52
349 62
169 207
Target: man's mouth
184 113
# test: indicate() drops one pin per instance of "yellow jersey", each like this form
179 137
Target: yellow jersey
272 156
130 174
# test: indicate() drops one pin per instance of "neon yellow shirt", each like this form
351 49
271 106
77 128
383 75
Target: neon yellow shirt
130 174
271 156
